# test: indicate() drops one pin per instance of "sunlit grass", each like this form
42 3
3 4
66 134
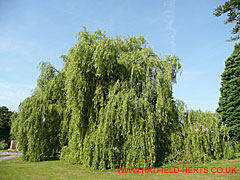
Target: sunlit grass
56 169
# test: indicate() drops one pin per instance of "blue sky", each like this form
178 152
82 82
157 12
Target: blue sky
35 31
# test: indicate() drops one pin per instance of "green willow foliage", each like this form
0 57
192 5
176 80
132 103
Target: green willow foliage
202 137
120 95
111 105
37 126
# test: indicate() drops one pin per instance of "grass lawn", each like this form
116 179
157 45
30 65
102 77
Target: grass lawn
4 155
56 169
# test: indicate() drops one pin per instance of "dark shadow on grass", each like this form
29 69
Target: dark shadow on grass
50 159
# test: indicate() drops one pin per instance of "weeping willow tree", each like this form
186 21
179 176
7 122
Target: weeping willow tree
120 95
111 105
39 121
201 137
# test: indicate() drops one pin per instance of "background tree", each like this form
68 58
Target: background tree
232 8
5 116
229 101
3 145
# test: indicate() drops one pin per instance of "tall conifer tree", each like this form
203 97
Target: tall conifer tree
229 101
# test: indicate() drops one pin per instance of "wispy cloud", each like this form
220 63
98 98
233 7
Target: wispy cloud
169 18
10 46
14 93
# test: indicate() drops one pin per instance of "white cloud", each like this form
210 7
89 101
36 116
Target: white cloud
169 18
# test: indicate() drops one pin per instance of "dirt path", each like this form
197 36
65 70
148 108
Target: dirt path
11 155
